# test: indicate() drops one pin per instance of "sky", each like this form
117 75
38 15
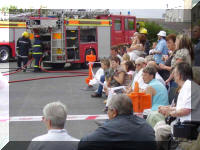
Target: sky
139 8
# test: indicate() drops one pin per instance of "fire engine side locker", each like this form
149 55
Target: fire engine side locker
104 41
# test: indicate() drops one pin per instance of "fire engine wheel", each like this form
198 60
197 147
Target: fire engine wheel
4 54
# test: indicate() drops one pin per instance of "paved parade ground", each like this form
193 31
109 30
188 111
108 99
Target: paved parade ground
28 99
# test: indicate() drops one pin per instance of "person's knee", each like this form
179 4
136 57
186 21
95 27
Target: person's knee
162 133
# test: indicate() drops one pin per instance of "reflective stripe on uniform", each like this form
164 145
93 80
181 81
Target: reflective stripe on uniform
37 53
22 56
35 66
36 45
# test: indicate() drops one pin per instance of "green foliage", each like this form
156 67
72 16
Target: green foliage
4 9
153 29
11 9
169 31
14 10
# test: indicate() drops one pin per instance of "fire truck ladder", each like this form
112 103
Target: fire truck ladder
75 13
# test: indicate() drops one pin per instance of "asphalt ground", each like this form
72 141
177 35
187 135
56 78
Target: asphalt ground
29 98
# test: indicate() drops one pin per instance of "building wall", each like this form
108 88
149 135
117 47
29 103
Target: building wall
196 14
179 15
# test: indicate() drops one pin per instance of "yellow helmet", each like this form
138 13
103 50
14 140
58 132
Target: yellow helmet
25 34
143 31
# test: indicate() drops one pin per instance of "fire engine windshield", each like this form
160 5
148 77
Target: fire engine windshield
87 35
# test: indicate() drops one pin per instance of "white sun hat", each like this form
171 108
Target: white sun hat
162 33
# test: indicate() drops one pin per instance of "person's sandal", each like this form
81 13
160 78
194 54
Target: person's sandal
96 95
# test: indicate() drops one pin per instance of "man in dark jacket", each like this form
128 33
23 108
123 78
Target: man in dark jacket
37 52
196 36
123 130
23 46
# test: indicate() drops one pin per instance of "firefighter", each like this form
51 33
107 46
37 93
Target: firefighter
23 47
37 52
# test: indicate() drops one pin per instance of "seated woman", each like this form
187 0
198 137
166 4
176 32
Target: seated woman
155 88
117 79
166 68
137 48
184 53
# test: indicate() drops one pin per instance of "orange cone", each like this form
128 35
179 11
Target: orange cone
140 100
90 58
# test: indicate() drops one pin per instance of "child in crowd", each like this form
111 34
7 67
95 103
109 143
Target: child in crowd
125 58
129 67
153 48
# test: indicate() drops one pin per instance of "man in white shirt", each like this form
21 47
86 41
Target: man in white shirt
55 115
184 107
183 76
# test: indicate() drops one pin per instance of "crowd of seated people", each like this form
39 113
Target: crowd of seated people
157 75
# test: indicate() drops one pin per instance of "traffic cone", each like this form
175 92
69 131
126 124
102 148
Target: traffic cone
90 58
136 88
140 100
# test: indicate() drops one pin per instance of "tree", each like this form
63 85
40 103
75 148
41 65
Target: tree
153 29
13 9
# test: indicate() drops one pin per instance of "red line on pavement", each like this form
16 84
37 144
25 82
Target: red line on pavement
91 118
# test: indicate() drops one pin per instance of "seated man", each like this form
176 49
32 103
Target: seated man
105 65
95 81
54 117
123 130
185 110
156 89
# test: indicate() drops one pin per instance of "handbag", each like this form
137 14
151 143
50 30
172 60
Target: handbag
169 119
186 130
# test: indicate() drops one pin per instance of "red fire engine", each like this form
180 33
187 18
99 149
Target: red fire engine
68 40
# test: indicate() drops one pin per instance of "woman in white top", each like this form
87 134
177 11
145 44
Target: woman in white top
137 48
